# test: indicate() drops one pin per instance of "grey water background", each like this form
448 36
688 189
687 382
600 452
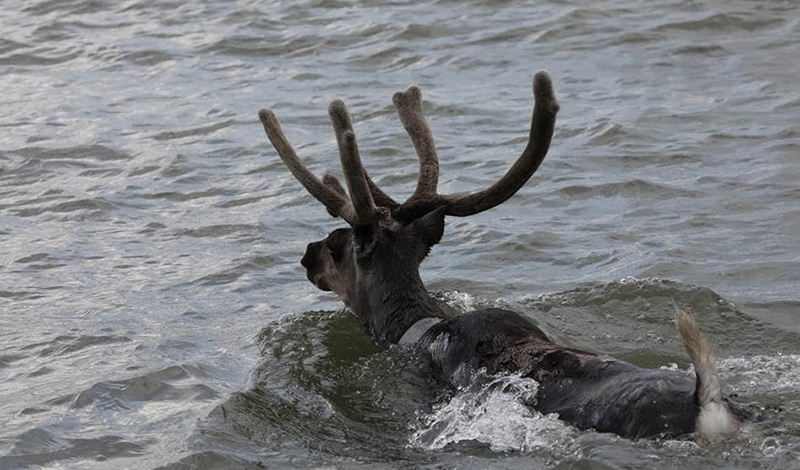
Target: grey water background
153 312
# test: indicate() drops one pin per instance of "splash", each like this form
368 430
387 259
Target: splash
458 300
761 374
492 411
465 302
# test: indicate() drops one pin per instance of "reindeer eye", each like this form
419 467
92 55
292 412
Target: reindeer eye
336 242
334 251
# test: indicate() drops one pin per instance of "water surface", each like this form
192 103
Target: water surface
153 312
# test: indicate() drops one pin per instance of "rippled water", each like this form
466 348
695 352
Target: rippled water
153 310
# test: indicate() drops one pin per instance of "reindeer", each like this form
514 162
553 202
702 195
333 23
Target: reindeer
373 266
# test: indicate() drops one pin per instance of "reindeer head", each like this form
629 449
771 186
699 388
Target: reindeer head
373 266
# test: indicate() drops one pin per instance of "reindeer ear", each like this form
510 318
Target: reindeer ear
430 227
364 238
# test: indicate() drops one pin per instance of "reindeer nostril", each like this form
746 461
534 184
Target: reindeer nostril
308 258
306 261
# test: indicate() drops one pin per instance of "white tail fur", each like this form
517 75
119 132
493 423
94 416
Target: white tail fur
715 419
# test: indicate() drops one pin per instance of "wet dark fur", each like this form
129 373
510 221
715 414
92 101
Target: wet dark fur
586 390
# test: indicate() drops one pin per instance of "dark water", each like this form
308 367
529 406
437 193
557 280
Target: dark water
153 313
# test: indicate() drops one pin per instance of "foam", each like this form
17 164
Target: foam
494 413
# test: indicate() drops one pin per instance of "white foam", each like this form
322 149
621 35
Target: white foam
458 300
776 374
494 413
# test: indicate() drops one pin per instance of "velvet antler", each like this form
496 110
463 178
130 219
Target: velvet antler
426 198
365 197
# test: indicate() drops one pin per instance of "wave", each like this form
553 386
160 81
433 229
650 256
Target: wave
324 387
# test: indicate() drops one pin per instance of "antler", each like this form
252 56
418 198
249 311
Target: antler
426 198
360 195
336 203
366 200
341 121
358 210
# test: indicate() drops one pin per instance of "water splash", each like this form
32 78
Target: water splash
762 374
458 300
462 302
493 411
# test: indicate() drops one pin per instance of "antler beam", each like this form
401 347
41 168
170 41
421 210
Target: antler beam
543 123
541 133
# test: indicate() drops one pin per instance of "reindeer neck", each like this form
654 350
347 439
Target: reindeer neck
388 310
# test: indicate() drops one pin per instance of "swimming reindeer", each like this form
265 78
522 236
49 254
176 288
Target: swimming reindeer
373 266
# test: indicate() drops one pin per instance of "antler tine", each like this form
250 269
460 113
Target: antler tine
333 183
542 125
359 190
336 203
379 197
409 109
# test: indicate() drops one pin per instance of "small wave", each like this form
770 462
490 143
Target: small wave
495 413
633 319
609 133
414 31
63 345
89 207
523 33
145 58
233 274
721 22
271 46
94 152
211 459
39 262
705 50
196 131
394 58
630 188
7 45
177 196
634 37
628 288
43 59
216 231
7 359
46 445
176 384
238 202
644 159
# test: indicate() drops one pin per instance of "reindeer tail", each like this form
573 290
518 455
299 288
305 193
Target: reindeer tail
715 419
